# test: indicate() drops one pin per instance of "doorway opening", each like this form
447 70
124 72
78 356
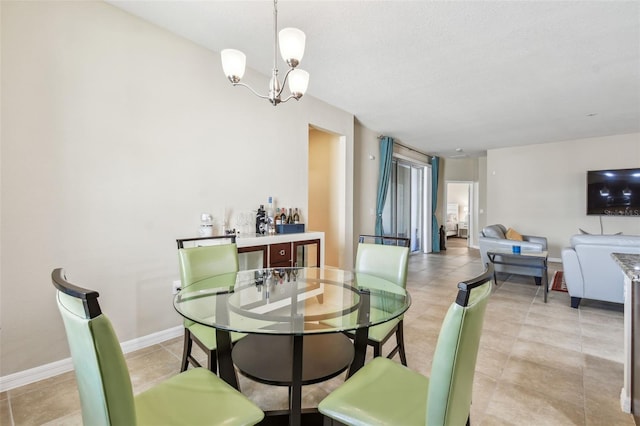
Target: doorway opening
327 183
459 221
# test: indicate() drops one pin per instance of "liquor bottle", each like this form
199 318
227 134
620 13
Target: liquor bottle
290 220
260 221
278 217
283 216
296 217
271 224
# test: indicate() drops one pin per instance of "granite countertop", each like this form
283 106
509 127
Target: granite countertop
630 264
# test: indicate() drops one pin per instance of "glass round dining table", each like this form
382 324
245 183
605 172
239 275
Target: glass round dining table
294 319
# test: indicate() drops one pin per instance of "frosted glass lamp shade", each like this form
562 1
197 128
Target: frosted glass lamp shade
233 64
298 83
292 45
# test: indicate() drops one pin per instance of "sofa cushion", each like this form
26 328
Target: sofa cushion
493 231
608 240
512 234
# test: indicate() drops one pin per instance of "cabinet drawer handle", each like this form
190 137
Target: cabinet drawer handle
282 252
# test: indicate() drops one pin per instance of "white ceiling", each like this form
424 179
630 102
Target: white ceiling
438 76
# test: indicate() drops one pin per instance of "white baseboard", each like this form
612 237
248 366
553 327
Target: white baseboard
46 371
625 401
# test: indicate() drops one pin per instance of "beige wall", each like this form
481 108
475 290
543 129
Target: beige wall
481 199
116 135
541 189
365 180
460 169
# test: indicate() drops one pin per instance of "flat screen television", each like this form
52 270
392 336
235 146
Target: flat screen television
613 192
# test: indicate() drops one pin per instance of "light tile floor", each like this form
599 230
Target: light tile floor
538 364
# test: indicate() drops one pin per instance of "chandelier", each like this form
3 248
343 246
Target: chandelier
291 42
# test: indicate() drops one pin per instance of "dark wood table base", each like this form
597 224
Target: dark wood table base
309 416
268 358
293 361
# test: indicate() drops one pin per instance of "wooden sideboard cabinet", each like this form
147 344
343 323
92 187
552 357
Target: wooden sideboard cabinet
253 257
307 253
281 250
280 255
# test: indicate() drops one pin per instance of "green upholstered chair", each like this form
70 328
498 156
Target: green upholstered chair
386 257
198 263
384 392
195 397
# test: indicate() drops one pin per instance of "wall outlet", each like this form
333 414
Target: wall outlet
175 286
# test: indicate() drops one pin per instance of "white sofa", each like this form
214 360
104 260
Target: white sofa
589 270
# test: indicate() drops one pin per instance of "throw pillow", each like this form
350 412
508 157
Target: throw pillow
513 235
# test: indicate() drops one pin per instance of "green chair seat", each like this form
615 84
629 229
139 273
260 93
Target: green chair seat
207 335
195 397
378 333
386 393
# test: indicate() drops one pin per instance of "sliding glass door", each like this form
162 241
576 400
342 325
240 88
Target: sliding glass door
404 210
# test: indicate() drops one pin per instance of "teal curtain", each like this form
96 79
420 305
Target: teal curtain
435 229
384 177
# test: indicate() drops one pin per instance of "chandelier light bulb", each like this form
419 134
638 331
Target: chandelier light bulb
298 83
292 41
233 64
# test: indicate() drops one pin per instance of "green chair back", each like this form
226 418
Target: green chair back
106 394
198 263
454 360
384 261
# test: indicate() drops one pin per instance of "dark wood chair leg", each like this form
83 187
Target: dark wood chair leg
212 361
575 302
186 350
377 349
400 342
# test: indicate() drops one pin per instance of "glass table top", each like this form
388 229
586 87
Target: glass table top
292 301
